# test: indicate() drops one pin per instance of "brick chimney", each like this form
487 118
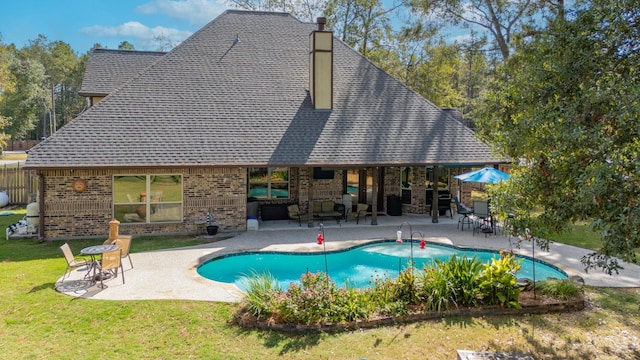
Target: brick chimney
321 67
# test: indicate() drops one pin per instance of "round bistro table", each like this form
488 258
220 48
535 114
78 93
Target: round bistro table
93 252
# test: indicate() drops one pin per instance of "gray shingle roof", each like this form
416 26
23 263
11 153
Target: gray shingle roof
109 69
214 101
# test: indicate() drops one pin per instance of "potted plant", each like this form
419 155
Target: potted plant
212 228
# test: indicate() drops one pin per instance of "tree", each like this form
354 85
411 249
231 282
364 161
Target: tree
567 106
125 45
362 24
62 67
500 18
62 81
306 10
475 70
23 106
7 86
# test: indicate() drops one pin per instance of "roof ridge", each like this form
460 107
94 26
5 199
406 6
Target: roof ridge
128 51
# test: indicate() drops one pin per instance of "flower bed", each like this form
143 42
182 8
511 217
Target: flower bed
457 287
541 305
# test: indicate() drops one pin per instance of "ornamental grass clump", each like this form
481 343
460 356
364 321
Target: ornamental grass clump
450 283
559 289
436 290
263 287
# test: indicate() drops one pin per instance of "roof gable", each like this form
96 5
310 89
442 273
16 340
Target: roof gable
108 69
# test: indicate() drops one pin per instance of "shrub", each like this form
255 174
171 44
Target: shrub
394 308
351 304
497 281
559 289
308 302
405 286
382 289
457 281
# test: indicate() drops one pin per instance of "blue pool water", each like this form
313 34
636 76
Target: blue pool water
356 266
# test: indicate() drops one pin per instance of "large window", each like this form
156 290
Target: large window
269 183
147 198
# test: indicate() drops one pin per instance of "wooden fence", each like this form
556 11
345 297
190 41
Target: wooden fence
21 185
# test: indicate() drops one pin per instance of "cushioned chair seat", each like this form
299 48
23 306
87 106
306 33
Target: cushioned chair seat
326 209
293 211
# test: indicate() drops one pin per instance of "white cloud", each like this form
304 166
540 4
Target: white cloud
138 34
197 12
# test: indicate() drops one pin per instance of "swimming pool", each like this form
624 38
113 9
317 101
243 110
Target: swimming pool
355 266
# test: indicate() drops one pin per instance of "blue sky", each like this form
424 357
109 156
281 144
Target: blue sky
83 23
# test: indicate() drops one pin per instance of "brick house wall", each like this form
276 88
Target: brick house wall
223 191
71 214
323 189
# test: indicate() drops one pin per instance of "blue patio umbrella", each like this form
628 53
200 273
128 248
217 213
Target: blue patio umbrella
487 175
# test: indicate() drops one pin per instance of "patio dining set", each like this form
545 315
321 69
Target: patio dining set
100 262
479 217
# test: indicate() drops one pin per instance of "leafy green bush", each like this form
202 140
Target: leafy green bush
405 286
457 281
308 302
394 308
497 281
351 305
559 289
382 289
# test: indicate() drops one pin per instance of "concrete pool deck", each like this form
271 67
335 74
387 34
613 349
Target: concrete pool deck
171 273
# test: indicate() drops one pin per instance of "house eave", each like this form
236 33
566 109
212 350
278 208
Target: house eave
231 165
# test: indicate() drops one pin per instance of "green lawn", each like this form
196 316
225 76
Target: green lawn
21 156
36 322
579 235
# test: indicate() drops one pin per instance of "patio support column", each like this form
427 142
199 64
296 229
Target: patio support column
374 196
434 204
310 198
42 207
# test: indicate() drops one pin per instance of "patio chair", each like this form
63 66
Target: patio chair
293 212
361 210
72 262
124 243
461 209
482 217
111 261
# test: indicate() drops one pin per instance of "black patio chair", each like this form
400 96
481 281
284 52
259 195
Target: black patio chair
461 209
